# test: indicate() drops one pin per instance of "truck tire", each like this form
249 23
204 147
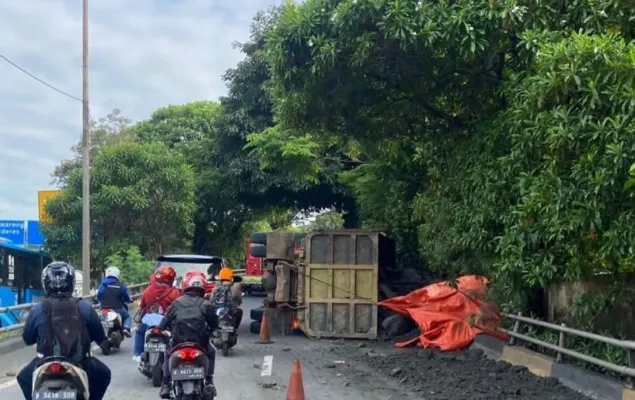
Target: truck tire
258 250
254 327
259 238
270 282
256 314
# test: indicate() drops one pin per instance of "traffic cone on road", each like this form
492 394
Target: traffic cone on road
265 337
295 390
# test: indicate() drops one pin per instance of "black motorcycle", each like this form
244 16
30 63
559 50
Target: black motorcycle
155 344
225 336
113 325
58 378
188 368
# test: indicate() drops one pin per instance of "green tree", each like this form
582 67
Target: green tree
134 268
141 195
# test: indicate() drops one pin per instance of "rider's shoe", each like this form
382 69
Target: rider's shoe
136 359
126 333
164 393
210 389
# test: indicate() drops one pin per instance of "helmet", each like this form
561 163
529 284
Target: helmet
195 281
113 271
226 274
58 278
165 275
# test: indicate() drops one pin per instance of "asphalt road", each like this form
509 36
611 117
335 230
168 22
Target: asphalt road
252 371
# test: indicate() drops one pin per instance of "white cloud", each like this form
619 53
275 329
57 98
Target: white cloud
143 54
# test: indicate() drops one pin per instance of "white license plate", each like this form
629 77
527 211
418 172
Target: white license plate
155 347
107 324
227 328
59 395
188 374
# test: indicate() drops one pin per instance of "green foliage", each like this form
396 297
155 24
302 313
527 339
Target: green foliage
141 194
134 268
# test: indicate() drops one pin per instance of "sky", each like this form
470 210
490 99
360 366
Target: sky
143 54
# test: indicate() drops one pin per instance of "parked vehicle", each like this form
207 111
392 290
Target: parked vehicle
188 369
155 343
113 325
58 378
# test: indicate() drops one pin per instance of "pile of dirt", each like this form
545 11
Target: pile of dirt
462 375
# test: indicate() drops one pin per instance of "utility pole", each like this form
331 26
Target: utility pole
86 155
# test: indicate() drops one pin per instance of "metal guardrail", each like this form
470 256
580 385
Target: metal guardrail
28 306
561 349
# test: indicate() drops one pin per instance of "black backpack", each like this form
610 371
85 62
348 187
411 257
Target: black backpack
221 294
66 331
189 324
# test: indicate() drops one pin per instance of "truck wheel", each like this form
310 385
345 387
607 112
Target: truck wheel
256 314
258 250
270 282
258 238
254 327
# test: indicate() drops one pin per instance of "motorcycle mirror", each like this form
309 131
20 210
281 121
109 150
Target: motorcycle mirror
216 278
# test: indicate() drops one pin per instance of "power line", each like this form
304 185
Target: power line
16 66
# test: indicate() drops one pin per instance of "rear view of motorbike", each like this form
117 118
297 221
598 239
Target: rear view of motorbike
188 369
57 378
113 326
155 345
225 336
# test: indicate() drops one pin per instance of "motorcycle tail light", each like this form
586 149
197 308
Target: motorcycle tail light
105 310
188 354
156 331
55 369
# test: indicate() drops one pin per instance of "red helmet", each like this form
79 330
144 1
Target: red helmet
194 280
165 275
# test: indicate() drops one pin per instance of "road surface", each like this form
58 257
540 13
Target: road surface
332 370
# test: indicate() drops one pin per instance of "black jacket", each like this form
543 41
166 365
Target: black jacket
184 308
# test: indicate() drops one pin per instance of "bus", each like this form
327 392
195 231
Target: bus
20 278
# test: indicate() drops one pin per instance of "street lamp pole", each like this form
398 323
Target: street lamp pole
86 155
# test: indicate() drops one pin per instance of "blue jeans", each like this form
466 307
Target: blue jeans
127 319
139 338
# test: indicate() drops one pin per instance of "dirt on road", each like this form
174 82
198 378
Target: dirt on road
434 375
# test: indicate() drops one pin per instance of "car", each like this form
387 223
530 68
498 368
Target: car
184 263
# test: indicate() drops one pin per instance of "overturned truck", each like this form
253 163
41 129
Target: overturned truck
325 284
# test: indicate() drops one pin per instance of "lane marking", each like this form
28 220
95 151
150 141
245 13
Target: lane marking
267 366
8 384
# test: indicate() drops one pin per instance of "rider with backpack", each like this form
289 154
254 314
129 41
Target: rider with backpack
113 294
229 293
61 325
190 318
155 301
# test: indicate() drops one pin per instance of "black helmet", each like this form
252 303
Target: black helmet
58 277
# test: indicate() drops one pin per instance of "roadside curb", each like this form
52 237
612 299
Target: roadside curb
586 382
11 345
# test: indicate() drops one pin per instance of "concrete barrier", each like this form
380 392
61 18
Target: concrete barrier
588 383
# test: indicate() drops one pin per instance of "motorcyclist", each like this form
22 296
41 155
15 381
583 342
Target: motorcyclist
113 294
155 301
227 289
190 318
58 282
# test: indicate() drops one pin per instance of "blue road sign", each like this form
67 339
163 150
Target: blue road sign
13 231
34 236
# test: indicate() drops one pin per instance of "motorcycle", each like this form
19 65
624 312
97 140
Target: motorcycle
225 336
113 324
151 365
188 368
58 378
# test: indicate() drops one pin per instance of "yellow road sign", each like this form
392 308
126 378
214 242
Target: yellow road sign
42 197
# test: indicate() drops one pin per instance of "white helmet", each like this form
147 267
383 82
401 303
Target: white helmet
112 272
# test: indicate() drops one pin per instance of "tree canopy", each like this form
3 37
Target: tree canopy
492 137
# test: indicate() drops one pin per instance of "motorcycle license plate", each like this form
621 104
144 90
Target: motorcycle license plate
106 324
50 395
188 374
227 328
155 347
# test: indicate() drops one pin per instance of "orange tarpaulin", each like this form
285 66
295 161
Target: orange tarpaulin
449 317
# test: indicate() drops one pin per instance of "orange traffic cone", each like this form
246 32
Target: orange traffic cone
295 390
265 337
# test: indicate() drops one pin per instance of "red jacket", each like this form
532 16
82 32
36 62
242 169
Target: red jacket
160 295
